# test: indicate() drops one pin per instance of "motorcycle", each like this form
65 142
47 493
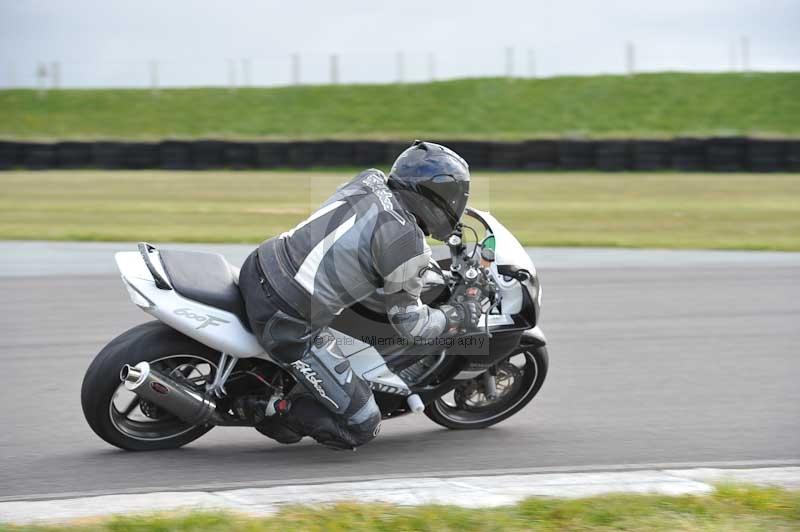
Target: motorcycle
165 383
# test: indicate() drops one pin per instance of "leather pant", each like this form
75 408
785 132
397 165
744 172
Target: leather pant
333 405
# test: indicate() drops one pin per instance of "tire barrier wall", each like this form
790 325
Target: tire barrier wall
716 154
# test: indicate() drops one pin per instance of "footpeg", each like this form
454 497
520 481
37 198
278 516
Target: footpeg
277 405
415 404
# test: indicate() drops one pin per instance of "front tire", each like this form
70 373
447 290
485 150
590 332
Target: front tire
463 408
142 426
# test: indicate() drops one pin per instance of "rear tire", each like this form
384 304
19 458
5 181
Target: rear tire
530 382
151 342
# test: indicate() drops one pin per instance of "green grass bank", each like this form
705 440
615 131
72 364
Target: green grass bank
644 105
721 211
729 508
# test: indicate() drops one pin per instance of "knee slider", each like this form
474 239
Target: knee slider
365 424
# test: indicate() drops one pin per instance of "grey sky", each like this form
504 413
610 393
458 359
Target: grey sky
197 42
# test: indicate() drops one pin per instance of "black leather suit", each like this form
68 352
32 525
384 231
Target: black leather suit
360 240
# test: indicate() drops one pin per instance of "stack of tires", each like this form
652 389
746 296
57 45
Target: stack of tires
717 154
176 155
477 154
541 155
613 155
688 155
651 154
725 154
792 155
9 155
766 156
576 155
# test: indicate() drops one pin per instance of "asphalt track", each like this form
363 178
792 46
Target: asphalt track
657 357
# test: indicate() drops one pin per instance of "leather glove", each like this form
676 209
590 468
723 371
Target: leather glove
462 317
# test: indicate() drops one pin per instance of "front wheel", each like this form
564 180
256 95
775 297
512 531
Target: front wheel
118 415
518 379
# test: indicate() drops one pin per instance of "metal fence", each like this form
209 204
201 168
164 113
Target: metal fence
402 66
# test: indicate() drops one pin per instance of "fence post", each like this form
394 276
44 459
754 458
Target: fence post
399 60
153 77
531 63
630 58
745 53
55 74
295 69
431 66
41 78
509 62
246 82
334 69
231 75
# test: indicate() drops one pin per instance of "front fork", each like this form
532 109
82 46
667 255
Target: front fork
490 383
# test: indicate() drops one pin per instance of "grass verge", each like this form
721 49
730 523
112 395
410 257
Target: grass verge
729 508
645 105
741 211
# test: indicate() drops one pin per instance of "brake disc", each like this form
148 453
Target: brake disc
471 395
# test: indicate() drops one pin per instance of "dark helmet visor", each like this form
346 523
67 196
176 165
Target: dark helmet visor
446 200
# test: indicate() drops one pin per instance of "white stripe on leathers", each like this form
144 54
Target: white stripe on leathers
321 212
308 270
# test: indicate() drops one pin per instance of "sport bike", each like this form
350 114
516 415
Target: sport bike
165 383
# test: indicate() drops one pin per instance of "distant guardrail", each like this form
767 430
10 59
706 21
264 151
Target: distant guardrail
716 154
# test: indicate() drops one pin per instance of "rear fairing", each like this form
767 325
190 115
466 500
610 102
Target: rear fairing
210 326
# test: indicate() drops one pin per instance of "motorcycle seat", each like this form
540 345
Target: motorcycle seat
206 278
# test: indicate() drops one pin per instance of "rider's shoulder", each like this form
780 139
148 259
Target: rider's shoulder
372 176
364 180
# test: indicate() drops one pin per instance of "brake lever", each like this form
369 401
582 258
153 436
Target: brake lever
488 312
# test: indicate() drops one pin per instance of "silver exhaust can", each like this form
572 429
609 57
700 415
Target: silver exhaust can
181 400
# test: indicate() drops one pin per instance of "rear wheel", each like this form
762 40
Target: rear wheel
118 415
518 379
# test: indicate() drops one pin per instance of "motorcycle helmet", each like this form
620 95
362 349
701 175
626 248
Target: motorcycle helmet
431 181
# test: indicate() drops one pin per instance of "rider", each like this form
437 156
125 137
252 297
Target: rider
370 234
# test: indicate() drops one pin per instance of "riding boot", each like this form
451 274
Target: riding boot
268 416
334 405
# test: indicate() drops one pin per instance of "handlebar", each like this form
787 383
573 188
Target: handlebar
471 278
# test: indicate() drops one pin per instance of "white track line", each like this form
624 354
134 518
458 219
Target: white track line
469 491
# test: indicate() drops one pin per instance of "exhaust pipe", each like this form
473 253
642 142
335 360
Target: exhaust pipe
176 398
